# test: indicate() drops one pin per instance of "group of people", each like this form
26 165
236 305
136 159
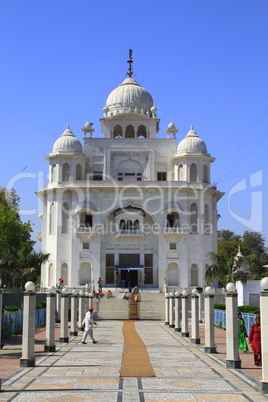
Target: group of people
254 338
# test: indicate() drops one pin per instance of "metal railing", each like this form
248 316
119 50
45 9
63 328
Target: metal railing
12 321
220 319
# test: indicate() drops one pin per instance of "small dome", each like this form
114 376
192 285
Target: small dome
192 143
129 97
171 125
67 143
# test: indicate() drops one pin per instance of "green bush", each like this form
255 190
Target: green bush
11 308
249 309
219 306
44 303
39 305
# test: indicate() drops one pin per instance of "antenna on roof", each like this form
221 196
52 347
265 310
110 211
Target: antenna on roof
130 61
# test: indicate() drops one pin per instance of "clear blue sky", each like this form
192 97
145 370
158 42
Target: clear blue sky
204 62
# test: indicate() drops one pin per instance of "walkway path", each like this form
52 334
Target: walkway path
77 372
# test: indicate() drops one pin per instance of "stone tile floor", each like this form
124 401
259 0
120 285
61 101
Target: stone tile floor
77 372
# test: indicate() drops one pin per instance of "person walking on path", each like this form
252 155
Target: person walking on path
88 323
242 334
255 340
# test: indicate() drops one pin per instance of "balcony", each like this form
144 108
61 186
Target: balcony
175 232
85 231
129 234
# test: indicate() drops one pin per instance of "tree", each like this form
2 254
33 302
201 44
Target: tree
225 269
18 260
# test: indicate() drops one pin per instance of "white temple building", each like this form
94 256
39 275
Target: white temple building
129 207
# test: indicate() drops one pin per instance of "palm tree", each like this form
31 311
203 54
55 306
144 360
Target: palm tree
225 269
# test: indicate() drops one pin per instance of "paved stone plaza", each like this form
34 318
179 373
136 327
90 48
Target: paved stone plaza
77 372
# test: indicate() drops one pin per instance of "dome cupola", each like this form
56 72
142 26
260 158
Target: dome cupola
67 143
192 143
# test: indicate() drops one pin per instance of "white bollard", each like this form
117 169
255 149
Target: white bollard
232 352
210 346
81 310
50 320
195 317
177 312
58 306
74 331
166 309
264 333
64 317
184 314
28 330
171 310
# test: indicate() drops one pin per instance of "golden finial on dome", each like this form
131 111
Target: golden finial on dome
130 61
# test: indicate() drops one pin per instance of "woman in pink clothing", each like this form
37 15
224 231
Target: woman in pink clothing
254 339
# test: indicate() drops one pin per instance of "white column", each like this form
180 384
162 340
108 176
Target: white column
171 310
167 309
184 314
64 318
81 310
210 346
177 312
195 317
50 320
74 331
264 333
28 330
232 352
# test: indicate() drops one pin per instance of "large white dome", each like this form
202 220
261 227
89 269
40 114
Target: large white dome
192 143
129 97
67 143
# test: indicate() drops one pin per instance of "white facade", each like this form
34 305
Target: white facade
130 208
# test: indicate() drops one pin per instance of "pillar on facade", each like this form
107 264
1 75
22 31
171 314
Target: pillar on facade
74 327
166 309
210 346
264 333
171 310
64 316
81 310
195 317
177 312
50 320
232 352
184 314
28 329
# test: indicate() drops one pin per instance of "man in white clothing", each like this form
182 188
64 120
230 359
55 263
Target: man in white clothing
88 323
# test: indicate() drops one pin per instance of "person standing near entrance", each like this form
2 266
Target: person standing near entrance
88 323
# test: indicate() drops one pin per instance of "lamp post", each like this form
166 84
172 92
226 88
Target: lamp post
264 333
74 331
80 310
29 301
232 355
195 317
177 312
210 347
167 309
50 320
64 316
184 314
171 310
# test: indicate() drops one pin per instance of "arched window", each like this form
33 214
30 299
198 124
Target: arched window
172 220
53 173
118 132
122 224
142 131
180 173
65 172
173 274
207 225
84 273
193 173
130 133
205 174
136 225
86 220
193 218
65 218
194 275
129 225
64 273
78 175
52 219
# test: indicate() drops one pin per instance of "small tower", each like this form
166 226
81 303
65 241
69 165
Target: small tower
171 129
88 129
